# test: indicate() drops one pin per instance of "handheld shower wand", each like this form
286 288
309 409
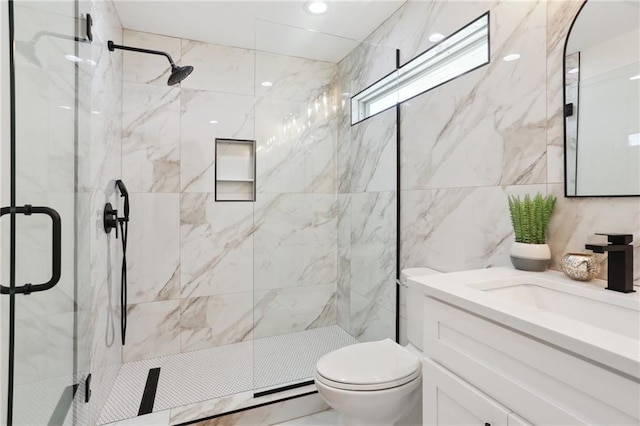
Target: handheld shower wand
111 221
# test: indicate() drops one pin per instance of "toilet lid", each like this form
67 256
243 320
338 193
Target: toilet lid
368 366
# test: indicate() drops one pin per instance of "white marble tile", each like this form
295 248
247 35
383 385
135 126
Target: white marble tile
45 153
373 247
153 330
365 65
160 418
218 68
327 417
273 413
294 309
212 407
205 117
153 248
320 157
409 28
204 409
373 154
43 352
281 133
466 142
488 127
344 261
292 78
576 219
555 164
148 68
370 321
458 229
215 320
216 246
99 162
295 240
151 138
297 138
344 160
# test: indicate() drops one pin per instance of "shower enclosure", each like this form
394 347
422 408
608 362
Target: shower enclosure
45 124
233 302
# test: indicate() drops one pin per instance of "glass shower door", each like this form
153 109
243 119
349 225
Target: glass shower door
41 355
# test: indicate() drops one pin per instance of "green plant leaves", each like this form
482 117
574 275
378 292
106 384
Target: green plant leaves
530 217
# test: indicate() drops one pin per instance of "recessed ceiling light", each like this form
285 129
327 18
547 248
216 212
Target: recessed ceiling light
213 121
94 112
511 57
435 37
266 84
635 77
316 7
573 70
72 58
64 107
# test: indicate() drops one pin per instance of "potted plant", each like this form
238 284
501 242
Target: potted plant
530 219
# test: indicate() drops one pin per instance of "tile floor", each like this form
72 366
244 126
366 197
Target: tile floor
210 374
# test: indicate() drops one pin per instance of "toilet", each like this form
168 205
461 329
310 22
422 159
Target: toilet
378 383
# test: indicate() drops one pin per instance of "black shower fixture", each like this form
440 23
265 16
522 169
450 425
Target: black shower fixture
177 73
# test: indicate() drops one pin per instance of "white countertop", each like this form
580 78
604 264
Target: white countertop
612 350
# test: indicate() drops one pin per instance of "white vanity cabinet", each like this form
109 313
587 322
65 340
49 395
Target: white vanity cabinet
479 371
449 400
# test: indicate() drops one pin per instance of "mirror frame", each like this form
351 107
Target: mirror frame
564 120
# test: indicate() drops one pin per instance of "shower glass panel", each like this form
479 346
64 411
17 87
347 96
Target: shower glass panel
301 272
46 361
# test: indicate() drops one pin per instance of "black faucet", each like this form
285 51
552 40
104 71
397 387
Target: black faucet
620 269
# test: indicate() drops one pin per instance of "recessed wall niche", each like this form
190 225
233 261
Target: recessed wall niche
235 170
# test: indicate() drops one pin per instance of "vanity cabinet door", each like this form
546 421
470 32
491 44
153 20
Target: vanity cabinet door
449 400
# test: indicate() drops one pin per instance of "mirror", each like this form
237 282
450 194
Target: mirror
602 100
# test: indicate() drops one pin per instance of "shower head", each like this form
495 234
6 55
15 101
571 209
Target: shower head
177 73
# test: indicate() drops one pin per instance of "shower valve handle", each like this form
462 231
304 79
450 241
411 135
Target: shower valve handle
110 219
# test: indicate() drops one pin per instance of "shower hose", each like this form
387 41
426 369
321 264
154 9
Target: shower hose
124 230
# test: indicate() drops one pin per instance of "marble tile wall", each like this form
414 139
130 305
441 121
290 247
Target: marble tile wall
470 143
99 165
367 155
209 273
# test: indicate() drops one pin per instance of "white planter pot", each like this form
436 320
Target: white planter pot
530 257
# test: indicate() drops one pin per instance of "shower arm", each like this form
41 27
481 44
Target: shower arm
112 46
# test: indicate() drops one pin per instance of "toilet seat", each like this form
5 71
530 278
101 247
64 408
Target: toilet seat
368 366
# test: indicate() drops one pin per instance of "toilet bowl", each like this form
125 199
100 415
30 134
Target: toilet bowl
378 383
374 383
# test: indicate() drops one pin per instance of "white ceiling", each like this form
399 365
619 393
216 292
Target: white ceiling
274 26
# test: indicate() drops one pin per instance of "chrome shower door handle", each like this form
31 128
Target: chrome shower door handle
56 258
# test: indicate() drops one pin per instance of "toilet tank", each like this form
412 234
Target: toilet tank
414 305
